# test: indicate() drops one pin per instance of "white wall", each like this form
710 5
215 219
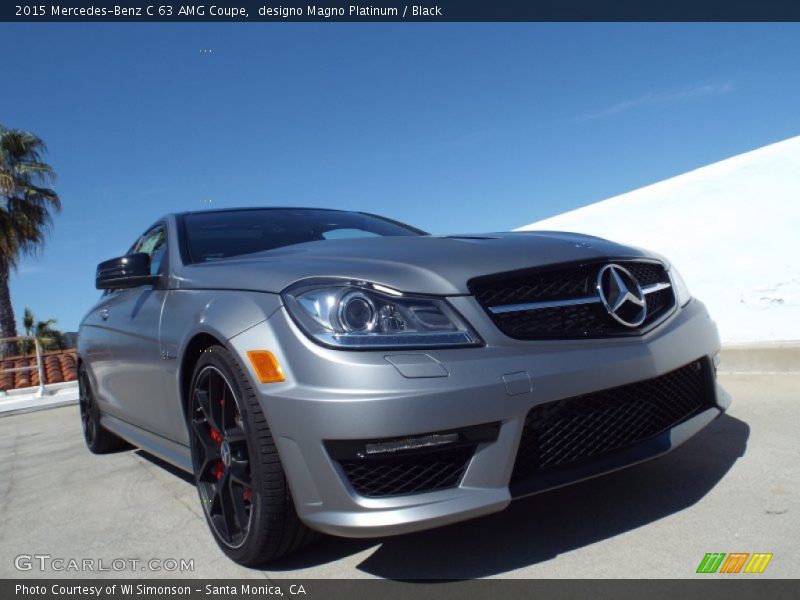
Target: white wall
733 231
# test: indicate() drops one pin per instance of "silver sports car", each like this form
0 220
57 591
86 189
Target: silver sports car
340 372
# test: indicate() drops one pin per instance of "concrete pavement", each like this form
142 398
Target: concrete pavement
733 488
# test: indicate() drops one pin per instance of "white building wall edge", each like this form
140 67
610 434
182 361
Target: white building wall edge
733 231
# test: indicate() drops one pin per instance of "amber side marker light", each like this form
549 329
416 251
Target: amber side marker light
266 366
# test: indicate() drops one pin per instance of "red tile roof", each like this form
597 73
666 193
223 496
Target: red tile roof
58 366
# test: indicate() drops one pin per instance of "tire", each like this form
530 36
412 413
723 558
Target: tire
98 439
238 473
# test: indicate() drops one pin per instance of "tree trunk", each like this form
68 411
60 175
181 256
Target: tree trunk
8 324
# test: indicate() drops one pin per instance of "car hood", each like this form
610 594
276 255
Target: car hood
427 264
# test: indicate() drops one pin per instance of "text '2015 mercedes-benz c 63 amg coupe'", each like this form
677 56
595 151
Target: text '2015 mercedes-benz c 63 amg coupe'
332 371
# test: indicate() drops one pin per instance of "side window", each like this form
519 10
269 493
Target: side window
154 244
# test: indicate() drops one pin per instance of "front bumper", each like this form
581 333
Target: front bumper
335 395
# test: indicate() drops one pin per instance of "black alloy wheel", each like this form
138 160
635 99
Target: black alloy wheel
221 457
238 472
98 439
86 405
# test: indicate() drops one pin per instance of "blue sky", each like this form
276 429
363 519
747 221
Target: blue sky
450 127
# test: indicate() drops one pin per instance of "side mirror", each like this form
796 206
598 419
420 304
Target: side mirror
125 272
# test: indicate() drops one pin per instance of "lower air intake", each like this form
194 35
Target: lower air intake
574 430
412 474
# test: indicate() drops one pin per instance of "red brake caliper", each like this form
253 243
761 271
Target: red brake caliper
219 467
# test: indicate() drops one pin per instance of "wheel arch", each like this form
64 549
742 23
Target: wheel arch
191 354
82 363
197 319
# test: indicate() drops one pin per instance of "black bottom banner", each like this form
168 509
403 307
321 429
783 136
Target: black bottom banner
333 589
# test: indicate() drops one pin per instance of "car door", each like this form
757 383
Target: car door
134 383
93 348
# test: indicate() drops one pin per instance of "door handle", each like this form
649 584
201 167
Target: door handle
104 314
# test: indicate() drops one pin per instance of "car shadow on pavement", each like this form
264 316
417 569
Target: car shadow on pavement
179 473
541 527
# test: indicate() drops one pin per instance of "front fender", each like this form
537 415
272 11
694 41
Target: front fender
189 315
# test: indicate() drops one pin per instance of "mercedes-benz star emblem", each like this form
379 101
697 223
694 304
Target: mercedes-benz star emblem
225 454
622 295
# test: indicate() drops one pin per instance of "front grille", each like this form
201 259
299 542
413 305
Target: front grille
411 474
577 311
571 431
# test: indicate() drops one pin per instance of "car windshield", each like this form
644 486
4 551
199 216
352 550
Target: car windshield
220 234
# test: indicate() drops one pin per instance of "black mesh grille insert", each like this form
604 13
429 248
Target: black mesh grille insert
646 272
538 286
579 429
568 282
410 474
579 320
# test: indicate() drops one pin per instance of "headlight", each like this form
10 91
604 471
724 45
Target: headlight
362 315
682 295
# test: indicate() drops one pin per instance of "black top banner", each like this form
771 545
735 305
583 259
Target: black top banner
150 11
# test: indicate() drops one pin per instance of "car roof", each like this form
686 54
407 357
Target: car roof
245 208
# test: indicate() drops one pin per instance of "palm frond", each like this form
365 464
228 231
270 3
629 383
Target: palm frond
38 170
26 200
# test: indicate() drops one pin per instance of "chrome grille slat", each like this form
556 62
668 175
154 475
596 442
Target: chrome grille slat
498 310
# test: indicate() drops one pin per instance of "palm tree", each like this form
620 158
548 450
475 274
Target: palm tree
27 323
26 206
28 320
49 337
